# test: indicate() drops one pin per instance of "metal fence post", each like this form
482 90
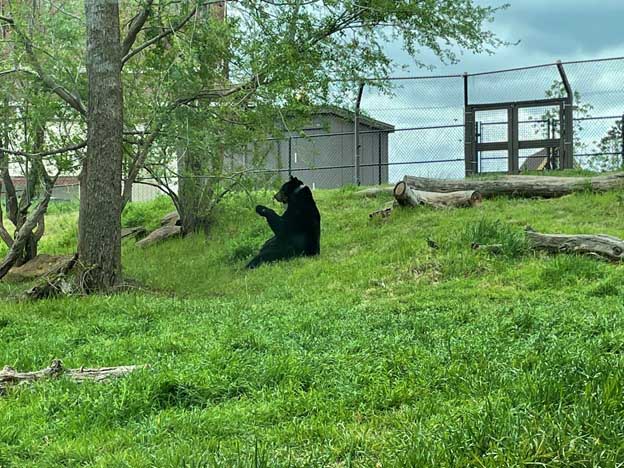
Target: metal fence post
379 150
622 135
470 133
289 156
356 143
568 127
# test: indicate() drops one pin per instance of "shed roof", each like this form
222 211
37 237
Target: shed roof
350 116
536 162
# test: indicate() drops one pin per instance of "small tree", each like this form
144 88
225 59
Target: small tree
610 150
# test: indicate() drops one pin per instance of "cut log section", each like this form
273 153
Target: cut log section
520 186
407 196
602 246
9 376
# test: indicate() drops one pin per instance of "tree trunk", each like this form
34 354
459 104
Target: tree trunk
24 233
195 191
605 247
99 242
406 196
521 186
198 169
33 188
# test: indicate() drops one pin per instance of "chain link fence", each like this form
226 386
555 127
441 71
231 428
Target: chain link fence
416 126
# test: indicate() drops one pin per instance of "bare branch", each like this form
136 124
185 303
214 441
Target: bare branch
139 163
44 154
162 35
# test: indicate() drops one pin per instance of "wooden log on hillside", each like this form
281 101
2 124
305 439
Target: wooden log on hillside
407 196
383 212
9 376
373 192
520 186
601 246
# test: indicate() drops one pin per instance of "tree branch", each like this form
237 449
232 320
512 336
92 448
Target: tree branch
71 99
135 27
44 154
162 35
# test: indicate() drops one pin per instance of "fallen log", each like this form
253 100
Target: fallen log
9 376
162 233
136 232
520 186
407 196
55 283
601 246
373 192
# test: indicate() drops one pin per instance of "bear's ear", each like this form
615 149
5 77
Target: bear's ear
291 178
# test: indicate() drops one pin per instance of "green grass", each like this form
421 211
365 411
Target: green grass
381 352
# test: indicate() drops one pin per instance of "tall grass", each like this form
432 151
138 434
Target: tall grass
383 351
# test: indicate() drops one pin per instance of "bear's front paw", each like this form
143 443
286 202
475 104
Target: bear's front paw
261 210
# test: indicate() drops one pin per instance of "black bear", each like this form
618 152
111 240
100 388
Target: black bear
297 231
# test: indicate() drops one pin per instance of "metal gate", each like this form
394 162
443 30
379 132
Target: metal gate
557 145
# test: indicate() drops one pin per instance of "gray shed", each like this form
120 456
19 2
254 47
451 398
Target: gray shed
323 157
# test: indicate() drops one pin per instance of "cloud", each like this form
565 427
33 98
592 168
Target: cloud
548 30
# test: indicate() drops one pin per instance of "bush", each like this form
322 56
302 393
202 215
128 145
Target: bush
487 232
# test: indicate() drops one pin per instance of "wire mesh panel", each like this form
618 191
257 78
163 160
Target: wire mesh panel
538 123
522 84
427 115
427 152
599 100
493 161
416 126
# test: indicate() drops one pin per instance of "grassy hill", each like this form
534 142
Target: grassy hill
381 352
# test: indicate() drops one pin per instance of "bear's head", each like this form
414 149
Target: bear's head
288 190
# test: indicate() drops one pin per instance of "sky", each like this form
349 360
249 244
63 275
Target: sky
547 30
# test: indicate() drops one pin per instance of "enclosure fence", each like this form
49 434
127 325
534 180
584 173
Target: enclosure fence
418 126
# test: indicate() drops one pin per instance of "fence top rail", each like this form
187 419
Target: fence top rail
361 132
489 72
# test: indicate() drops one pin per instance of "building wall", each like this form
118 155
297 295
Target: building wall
311 155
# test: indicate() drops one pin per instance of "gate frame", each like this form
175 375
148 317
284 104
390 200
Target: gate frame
513 144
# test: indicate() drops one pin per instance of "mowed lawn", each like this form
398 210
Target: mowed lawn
381 352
